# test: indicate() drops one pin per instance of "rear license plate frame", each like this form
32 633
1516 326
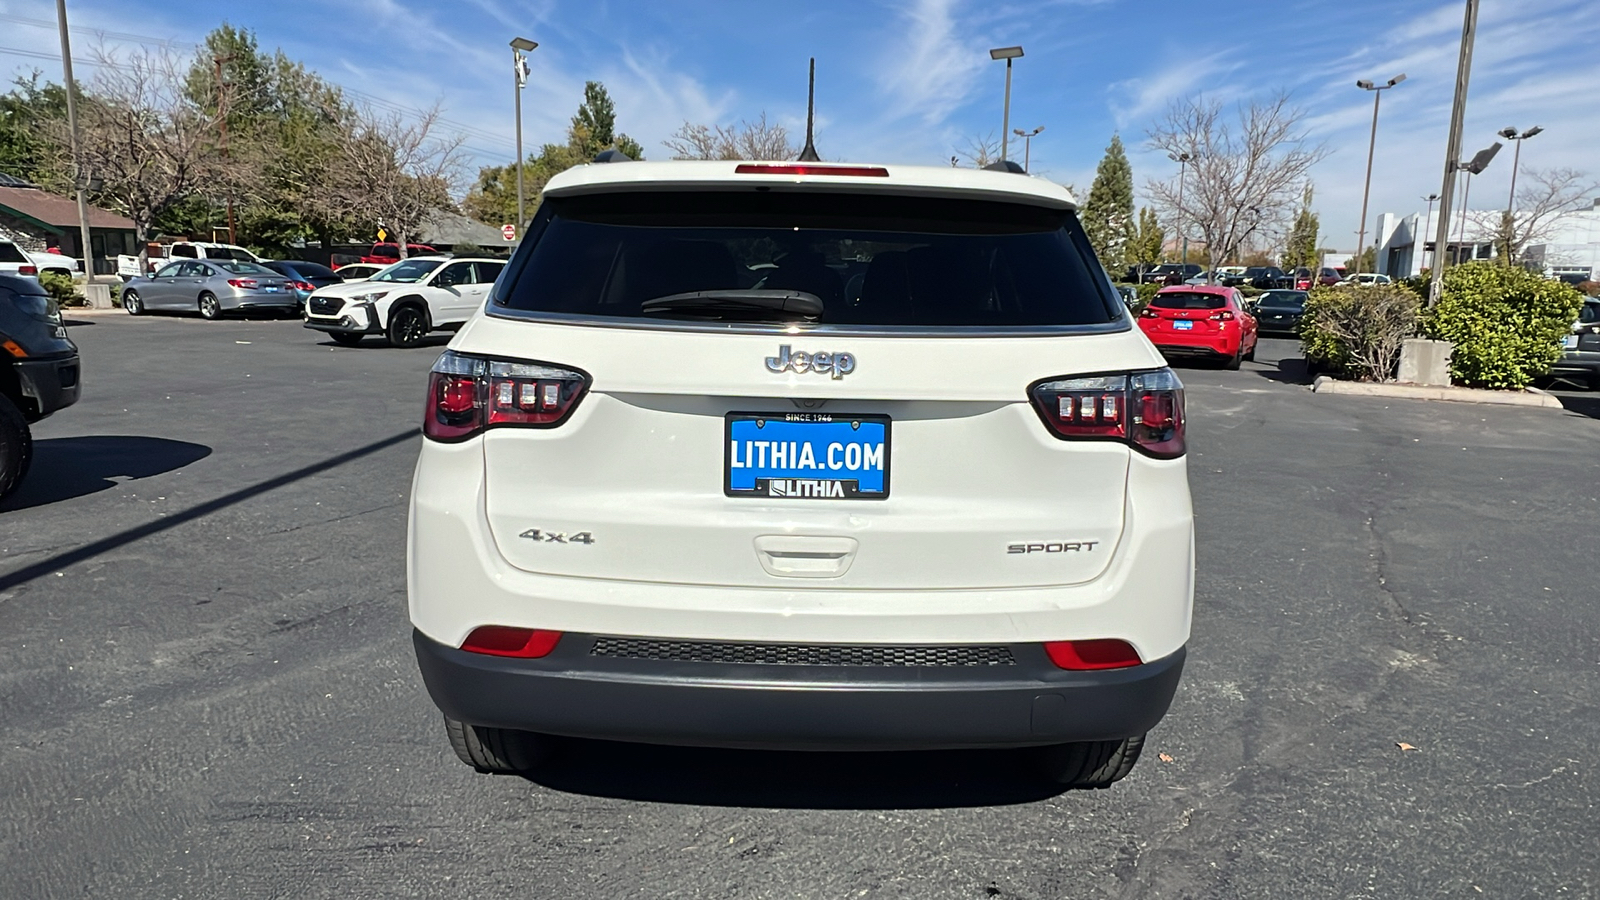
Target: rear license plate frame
761 487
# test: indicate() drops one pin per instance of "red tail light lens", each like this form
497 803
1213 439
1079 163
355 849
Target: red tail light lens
804 169
27 270
467 394
502 640
304 286
1086 656
1145 409
243 282
1224 316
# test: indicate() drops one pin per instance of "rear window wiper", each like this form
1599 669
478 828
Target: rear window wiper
779 305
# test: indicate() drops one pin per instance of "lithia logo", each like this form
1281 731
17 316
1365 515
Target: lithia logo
823 363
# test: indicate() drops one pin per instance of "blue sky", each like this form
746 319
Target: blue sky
908 80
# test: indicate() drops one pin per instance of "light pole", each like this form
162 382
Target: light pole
1372 144
1183 160
78 176
1007 54
1027 144
1458 112
519 62
1426 224
1511 134
1473 166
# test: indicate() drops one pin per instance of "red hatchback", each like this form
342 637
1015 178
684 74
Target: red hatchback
1200 320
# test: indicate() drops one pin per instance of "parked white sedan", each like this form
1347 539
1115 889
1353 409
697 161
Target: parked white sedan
405 301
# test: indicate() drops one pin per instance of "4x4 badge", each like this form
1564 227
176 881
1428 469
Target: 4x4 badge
557 537
823 363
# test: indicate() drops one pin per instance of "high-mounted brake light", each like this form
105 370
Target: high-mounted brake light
503 640
467 394
1145 409
1082 656
807 169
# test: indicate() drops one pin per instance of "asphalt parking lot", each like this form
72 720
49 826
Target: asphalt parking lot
208 689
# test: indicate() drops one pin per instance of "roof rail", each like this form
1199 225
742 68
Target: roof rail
611 156
1006 165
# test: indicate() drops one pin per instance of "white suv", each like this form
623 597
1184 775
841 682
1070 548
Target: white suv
405 301
805 456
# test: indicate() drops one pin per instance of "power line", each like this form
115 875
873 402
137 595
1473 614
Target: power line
461 128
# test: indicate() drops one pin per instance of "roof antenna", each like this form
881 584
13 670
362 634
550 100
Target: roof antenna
809 154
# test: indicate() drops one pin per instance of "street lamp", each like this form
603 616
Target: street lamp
1510 134
1007 54
1027 144
1183 160
519 65
1473 166
1372 144
1428 223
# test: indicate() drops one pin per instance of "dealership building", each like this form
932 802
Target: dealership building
1570 251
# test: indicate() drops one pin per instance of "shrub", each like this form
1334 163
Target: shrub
1357 330
62 289
1506 323
1250 290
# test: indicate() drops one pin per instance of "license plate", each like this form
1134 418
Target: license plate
806 456
1182 325
1570 342
271 289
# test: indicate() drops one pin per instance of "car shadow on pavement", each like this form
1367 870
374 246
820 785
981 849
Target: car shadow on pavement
64 468
1582 405
794 779
1291 370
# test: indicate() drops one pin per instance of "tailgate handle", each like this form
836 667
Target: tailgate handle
805 556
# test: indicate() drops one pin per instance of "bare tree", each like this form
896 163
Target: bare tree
760 139
1547 197
395 172
979 150
1242 178
144 144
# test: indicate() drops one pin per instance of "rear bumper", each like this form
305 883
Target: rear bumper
286 300
1170 345
572 692
50 384
1577 362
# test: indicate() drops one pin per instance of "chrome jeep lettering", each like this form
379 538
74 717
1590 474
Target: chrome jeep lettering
835 365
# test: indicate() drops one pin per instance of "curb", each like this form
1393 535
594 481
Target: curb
1326 385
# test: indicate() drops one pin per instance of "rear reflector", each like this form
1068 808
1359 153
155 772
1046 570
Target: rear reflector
805 169
502 640
1083 656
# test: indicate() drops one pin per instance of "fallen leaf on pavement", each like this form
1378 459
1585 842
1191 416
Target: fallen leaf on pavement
1405 746
1164 757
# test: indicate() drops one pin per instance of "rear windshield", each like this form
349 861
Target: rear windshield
875 261
9 253
243 268
312 270
1188 300
1283 299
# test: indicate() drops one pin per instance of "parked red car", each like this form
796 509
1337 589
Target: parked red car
1202 320
384 254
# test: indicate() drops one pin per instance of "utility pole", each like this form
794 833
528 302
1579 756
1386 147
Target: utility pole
222 125
519 62
1469 29
1372 144
1427 221
79 178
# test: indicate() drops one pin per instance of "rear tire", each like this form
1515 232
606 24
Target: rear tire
210 308
345 338
1251 356
16 447
132 303
497 751
1232 362
408 325
1091 764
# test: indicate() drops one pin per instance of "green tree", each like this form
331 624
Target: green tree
1301 247
1366 262
594 127
1108 214
1149 241
26 148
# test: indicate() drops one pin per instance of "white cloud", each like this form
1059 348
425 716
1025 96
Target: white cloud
929 72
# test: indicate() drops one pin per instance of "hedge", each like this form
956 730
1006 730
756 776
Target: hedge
1357 330
1506 323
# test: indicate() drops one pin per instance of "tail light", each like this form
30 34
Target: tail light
519 643
1223 316
243 282
1105 653
27 270
303 286
1144 409
1148 313
468 394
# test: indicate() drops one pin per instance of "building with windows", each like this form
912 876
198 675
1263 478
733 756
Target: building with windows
36 219
1571 250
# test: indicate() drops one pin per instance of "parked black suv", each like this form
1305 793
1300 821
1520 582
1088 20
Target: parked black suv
1159 274
38 371
1580 357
